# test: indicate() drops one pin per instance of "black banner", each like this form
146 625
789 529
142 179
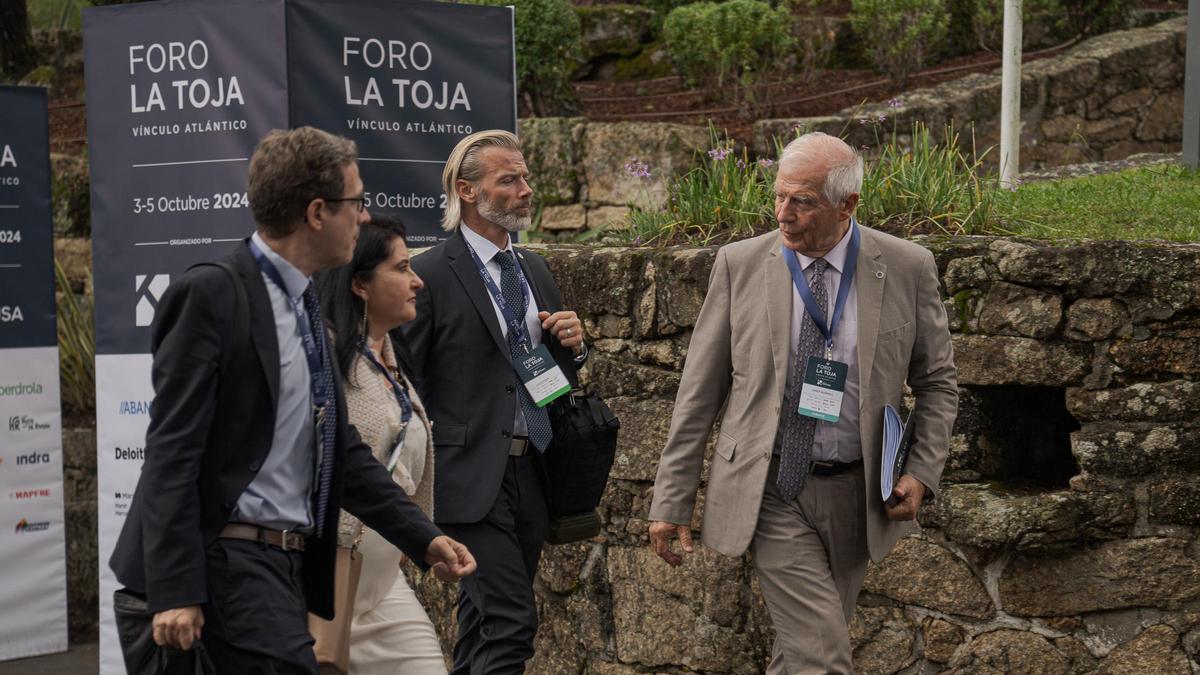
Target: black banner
26 234
179 93
406 80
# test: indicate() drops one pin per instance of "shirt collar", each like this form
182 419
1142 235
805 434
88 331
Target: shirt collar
836 257
483 248
293 279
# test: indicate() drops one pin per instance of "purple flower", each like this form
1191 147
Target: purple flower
637 169
882 119
740 163
718 154
895 103
766 163
864 121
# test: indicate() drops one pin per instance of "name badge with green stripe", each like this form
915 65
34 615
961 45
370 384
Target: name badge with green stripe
542 377
824 386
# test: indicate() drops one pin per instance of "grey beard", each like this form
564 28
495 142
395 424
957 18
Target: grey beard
506 219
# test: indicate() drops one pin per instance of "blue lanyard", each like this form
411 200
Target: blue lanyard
311 351
810 303
401 391
515 326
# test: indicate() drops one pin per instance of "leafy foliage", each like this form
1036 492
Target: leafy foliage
76 346
549 48
734 43
900 36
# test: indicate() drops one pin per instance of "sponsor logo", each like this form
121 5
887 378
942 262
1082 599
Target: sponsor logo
36 493
26 526
11 314
33 458
25 423
129 454
134 408
150 288
21 389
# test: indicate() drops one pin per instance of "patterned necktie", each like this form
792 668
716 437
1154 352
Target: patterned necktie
326 430
795 455
536 418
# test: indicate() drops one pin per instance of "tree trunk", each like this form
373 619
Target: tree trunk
16 54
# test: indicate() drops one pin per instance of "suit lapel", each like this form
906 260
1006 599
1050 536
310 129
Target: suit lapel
778 284
262 320
869 276
468 275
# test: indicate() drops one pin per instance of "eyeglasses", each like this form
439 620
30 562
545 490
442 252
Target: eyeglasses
362 201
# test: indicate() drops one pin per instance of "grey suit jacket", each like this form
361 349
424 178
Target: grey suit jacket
737 366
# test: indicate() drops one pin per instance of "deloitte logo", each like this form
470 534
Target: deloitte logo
26 526
21 389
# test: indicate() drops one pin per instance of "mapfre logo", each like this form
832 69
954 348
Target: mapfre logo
35 493
11 314
26 526
150 288
25 423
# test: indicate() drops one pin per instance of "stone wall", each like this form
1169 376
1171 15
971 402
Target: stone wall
1065 535
1107 98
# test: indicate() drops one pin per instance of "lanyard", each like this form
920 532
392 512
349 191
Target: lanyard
401 391
810 303
515 326
311 352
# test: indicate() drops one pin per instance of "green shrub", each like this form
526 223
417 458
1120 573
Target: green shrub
732 43
548 51
900 35
1043 22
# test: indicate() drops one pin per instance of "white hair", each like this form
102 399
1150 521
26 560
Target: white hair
464 163
845 166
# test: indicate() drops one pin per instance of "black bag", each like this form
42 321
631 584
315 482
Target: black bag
135 630
578 463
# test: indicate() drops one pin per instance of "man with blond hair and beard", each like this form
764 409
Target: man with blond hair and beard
805 334
485 307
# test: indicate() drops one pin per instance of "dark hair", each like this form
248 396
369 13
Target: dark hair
342 308
289 169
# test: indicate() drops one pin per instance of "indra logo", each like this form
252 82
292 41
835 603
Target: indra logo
26 526
25 423
150 288
33 458
11 314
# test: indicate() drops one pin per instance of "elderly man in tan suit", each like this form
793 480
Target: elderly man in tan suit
802 491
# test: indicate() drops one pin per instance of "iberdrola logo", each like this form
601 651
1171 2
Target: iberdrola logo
26 526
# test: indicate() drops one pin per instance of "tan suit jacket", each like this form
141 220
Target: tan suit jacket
737 366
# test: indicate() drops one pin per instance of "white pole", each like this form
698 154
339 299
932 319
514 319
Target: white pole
1010 95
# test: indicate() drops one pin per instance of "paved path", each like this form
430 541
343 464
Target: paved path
79 660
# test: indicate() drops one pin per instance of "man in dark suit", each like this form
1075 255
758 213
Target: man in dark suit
485 307
231 536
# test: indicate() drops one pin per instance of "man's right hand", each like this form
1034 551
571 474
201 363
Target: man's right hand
661 534
179 627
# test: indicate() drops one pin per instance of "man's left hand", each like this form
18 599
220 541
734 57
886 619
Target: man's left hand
449 559
565 327
906 498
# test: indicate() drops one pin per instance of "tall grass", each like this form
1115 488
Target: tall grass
76 346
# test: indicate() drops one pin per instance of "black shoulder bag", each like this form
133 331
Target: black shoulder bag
578 463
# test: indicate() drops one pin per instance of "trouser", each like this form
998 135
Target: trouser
810 556
497 615
256 618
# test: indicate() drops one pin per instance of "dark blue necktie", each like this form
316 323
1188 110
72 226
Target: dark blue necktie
536 418
795 457
326 428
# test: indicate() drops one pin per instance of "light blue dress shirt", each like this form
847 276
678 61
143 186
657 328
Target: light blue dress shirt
279 497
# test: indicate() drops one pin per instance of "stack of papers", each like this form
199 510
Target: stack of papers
897 437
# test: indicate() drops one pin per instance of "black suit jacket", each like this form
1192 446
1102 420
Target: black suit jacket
463 371
190 484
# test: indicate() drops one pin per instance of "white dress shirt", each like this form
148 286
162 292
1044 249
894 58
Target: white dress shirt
487 251
833 441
